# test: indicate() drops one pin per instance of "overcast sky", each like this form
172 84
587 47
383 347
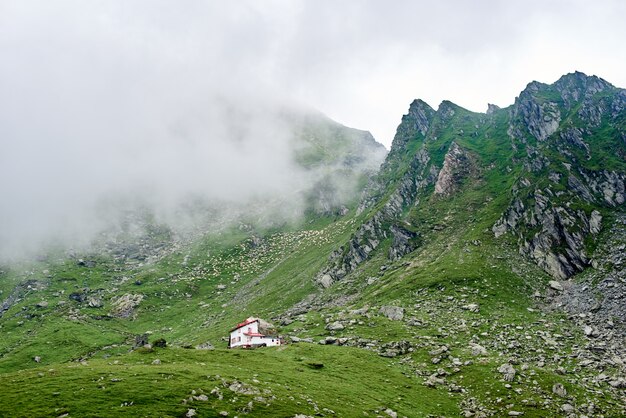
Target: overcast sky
361 62
115 95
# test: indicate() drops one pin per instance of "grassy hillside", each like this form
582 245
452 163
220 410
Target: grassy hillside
437 296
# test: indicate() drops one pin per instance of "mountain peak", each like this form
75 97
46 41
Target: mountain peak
419 104
575 85
492 108
419 116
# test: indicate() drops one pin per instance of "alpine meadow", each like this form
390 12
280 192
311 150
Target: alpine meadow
179 239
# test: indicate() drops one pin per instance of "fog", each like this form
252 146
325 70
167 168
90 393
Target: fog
107 108
111 105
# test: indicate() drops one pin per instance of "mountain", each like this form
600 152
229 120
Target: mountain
480 273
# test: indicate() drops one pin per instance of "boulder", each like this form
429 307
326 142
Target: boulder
205 346
477 349
160 343
472 307
335 326
559 389
555 285
395 313
508 372
326 281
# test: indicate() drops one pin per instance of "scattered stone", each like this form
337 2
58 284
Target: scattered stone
395 313
79 297
160 343
244 389
328 341
414 322
567 408
190 413
156 361
42 304
438 351
141 340
507 371
391 413
472 307
433 381
326 281
205 346
556 285
595 222
37 359
395 348
477 349
559 389
335 326
515 413
124 306
360 311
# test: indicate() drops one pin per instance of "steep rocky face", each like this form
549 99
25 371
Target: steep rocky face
539 118
416 121
597 301
408 173
573 122
385 222
456 166
566 147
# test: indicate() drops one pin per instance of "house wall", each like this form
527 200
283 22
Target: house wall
268 341
238 339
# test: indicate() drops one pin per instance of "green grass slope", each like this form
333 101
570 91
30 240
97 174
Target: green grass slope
464 324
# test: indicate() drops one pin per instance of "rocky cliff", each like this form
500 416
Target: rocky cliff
574 135
562 147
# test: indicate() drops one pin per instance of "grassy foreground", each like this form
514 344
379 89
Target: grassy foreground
295 379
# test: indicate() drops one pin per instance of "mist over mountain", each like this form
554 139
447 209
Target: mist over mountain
484 258
66 180
101 115
168 182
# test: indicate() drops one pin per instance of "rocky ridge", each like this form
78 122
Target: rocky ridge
385 222
546 211
557 134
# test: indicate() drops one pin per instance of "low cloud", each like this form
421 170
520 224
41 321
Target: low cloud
155 101
102 113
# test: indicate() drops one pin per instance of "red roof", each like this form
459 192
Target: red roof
244 323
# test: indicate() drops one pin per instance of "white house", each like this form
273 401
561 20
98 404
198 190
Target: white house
253 332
